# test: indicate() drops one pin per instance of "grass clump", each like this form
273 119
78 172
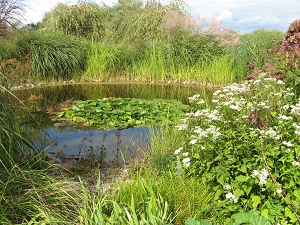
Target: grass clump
56 56
28 194
254 50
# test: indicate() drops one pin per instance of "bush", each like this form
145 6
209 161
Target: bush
85 20
247 147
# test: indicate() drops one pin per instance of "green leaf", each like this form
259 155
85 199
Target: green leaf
288 212
297 193
255 201
192 221
238 192
243 169
265 213
251 217
242 178
247 188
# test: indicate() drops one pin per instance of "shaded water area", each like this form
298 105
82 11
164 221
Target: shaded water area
78 141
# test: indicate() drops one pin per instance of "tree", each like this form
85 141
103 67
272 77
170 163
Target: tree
11 11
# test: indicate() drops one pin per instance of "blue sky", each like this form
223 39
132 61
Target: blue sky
240 15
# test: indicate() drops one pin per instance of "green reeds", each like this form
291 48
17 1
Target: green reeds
254 49
108 61
28 194
14 144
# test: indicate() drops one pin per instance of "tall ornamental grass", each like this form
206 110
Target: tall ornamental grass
253 50
14 144
246 145
56 56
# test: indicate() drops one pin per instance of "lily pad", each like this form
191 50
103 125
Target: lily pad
110 113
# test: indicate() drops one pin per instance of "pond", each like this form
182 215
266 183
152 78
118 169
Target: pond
76 141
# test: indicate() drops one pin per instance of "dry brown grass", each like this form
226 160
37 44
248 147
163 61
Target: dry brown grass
174 20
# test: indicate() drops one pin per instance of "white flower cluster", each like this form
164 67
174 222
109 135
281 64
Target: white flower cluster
203 133
181 126
271 133
186 160
295 109
194 98
262 175
284 117
297 128
213 115
231 196
287 143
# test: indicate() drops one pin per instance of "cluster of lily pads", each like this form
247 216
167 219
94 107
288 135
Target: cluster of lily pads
120 113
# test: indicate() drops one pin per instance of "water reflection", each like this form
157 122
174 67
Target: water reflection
115 143
60 93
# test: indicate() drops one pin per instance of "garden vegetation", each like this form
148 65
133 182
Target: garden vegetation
230 159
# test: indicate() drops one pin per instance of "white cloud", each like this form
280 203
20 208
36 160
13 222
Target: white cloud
259 20
226 15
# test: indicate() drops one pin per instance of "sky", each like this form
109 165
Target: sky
239 15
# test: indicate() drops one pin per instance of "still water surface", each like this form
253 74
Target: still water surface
82 140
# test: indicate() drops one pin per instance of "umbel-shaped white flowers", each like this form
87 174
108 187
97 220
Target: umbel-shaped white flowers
262 175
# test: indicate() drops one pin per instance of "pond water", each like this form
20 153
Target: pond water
77 141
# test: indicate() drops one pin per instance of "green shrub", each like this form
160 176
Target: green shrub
247 147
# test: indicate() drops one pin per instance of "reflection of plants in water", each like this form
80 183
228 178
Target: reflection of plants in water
96 154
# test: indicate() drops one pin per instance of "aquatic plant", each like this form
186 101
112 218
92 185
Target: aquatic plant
121 113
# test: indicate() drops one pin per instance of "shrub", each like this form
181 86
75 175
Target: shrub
247 147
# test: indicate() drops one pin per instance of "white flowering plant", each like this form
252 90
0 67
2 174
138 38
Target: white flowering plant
248 141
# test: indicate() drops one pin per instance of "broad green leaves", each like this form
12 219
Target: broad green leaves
124 112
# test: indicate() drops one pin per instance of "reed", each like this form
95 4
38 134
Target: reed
254 49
